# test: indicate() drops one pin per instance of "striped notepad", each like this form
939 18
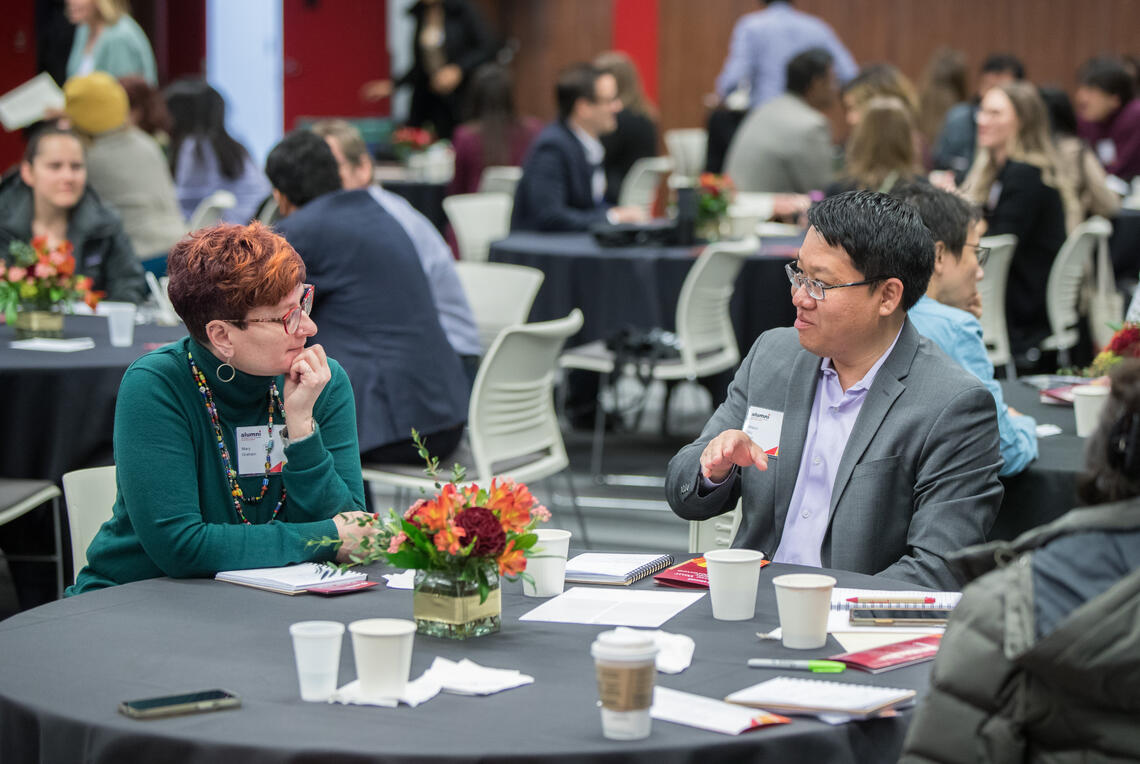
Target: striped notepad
619 569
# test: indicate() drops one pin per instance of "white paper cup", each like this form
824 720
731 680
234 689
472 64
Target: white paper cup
625 662
382 648
803 601
1088 402
733 577
316 647
121 321
548 568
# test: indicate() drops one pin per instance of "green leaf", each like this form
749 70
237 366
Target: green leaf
409 558
526 541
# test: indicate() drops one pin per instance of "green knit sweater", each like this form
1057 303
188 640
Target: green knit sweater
174 515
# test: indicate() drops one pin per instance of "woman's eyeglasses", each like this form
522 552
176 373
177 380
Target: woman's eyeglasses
291 320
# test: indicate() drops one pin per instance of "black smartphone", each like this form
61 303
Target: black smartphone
898 616
186 703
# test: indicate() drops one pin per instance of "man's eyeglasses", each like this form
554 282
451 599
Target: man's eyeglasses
816 289
291 320
982 252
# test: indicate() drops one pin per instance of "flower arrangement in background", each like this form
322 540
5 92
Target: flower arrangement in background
1125 343
39 277
411 140
714 194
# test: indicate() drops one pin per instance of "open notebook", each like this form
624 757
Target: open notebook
816 696
619 569
291 579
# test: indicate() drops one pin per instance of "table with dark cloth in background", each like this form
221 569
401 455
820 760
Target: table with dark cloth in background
70 663
1047 488
58 411
426 197
638 287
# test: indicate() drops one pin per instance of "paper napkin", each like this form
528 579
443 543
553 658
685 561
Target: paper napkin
417 691
674 651
469 678
405 580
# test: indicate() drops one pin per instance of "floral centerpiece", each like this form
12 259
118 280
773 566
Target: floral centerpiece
714 194
37 282
1125 343
411 140
459 542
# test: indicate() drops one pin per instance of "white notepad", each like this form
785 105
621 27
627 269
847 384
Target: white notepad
291 579
839 617
621 569
819 697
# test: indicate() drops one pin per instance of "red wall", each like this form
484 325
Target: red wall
635 33
18 57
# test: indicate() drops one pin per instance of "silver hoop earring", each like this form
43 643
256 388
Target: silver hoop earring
226 365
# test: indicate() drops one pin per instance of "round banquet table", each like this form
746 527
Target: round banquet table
70 663
58 411
1047 488
638 287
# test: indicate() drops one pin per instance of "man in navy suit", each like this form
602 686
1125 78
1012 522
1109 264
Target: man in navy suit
563 183
373 305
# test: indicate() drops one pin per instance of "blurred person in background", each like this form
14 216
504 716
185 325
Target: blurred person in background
205 158
636 134
125 166
450 41
108 40
877 80
943 86
493 134
1077 162
954 147
148 109
1110 116
1016 181
881 152
49 197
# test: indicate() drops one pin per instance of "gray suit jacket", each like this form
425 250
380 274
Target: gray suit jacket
782 146
918 478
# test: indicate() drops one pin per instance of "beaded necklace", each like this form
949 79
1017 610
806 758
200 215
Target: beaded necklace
227 468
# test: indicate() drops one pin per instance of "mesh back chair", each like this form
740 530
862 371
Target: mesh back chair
687 148
1063 291
512 425
639 188
90 497
500 295
714 533
995 331
210 210
478 220
706 340
17 498
500 179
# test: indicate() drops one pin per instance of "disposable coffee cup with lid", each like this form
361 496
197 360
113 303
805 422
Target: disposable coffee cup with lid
625 662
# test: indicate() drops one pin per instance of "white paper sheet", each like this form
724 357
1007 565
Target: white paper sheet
707 713
613 607
49 345
27 103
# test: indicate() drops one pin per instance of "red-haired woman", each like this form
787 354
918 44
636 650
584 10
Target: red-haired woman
236 446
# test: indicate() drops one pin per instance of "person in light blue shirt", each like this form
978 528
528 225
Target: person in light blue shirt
947 313
763 42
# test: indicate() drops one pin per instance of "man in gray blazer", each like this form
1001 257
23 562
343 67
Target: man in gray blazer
854 442
784 145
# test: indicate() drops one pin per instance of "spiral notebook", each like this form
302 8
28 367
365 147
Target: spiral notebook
616 569
816 697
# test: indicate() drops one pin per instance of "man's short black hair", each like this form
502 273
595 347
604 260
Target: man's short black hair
1107 74
805 67
883 236
947 215
302 167
997 63
574 82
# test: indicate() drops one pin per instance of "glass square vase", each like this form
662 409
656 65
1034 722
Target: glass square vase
443 605
32 323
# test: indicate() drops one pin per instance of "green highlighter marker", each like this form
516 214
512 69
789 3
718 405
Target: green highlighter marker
817 667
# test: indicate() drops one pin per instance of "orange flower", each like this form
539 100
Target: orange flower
39 244
92 297
447 539
512 502
434 515
512 561
66 265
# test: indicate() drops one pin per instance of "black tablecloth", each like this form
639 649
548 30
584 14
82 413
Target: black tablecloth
1047 489
425 197
69 664
58 411
1125 244
638 286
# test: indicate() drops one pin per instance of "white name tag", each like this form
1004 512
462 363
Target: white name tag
763 426
1106 150
251 450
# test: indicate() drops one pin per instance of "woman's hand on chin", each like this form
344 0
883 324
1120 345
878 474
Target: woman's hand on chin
306 378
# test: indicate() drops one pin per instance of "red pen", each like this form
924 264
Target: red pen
892 600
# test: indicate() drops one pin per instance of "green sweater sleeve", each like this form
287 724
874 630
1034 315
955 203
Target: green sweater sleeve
171 485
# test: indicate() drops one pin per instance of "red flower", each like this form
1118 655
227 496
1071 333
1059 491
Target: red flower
482 525
1128 336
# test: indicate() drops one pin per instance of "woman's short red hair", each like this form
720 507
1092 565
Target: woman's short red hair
224 271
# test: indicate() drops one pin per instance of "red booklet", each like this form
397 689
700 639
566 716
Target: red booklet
688 575
892 656
1058 395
